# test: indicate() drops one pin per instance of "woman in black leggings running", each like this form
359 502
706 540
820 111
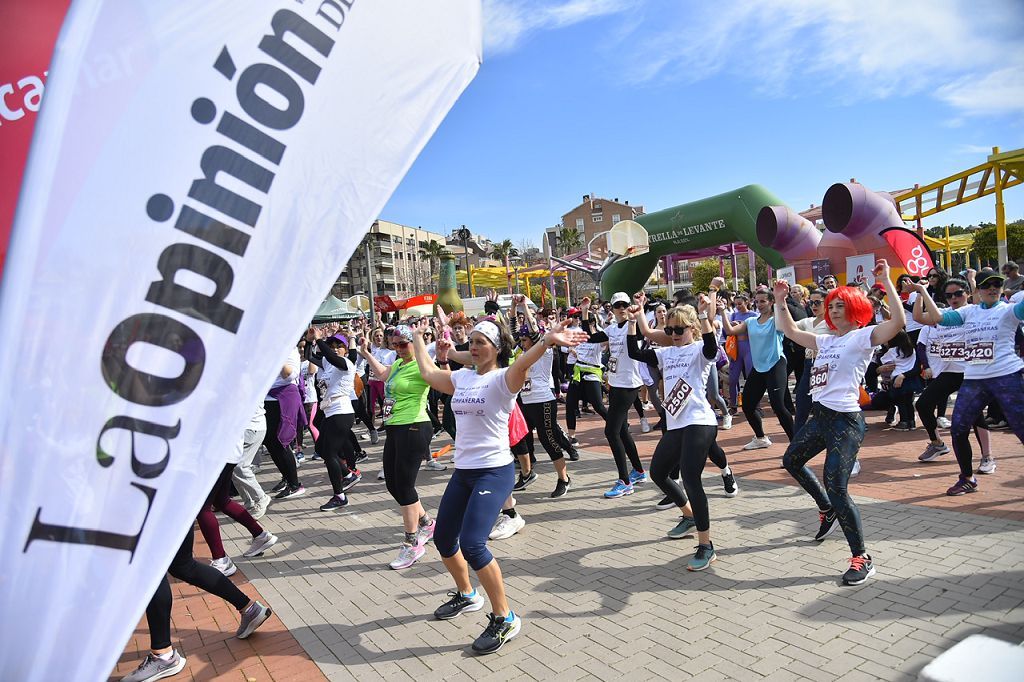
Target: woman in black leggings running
836 424
624 384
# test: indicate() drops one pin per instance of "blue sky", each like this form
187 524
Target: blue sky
667 101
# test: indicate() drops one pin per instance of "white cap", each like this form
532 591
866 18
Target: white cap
620 297
490 332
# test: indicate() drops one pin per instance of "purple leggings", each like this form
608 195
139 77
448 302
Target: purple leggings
743 364
220 500
971 399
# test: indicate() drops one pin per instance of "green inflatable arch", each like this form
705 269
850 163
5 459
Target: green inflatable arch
721 219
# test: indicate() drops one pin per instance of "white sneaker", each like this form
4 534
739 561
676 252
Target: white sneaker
645 426
942 422
380 475
758 443
987 466
648 407
364 437
856 468
224 565
433 465
260 544
260 508
726 422
507 526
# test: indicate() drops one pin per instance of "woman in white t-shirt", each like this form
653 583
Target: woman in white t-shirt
482 400
905 380
836 424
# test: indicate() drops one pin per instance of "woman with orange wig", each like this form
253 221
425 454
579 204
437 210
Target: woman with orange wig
836 424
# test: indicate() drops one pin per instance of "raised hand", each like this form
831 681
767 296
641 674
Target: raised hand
442 316
781 290
702 303
518 300
420 326
640 298
492 295
567 337
717 283
881 269
633 310
442 347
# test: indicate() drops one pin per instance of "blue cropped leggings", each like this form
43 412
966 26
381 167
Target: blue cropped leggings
974 394
468 508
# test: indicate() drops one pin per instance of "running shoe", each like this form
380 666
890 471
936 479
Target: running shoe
942 422
425 533
498 631
364 437
350 481
525 481
459 603
995 423
637 477
315 457
861 568
648 407
407 556
574 455
904 426
506 526
620 489
260 544
438 431
645 426
933 452
225 566
374 436
758 443
380 475
260 508
299 457
962 487
336 502
702 558
433 465
252 617
666 503
574 441
855 471
828 522
280 486
155 668
987 466
561 488
290 492
726 421
729 483
361 456
683 528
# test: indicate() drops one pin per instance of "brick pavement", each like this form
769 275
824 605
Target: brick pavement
603 593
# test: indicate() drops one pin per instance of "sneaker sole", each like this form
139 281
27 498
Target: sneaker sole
504 536
346 488
615 497
827 533
662 507
525 485
404 566
251 628
986 473
961 493
261 549
688 534
734 493
511 633
468 609
229 573
174 670
863 580
757 447
690 567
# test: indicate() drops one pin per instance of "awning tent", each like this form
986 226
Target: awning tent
334 309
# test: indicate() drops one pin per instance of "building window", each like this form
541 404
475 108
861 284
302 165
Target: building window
579 223
597 217
616 218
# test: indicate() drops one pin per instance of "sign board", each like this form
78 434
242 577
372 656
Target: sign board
787 273
820 269
858 269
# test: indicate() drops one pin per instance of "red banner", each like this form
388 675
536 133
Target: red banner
911 250
27 35
384 304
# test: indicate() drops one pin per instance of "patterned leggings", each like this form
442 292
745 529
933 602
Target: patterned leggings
1007 391
839 434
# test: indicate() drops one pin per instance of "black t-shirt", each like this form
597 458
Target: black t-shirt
454 366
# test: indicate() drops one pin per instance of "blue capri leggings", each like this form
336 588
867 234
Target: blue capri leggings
469 506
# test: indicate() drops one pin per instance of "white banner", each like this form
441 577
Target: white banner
860 269
200 174
787 273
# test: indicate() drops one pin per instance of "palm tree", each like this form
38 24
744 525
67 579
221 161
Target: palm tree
432 250
570 239
502 252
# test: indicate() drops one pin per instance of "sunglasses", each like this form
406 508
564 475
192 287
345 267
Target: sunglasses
620 304
675 331
956 294
813 302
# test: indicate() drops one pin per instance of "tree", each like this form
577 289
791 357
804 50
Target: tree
432 250
703 272
569 240
940 231
985 241
502 252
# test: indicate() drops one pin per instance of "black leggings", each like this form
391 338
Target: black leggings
543 418
404 450
184 567
715 453
283 460
933 398
335 447
617 433
589 392
359 408
774 382
685 450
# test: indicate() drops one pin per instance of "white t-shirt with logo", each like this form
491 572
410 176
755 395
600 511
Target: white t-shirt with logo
481 405
901 365
839 367
809 325
383 356
685 371
912 324
588 354
988 340
622 369
943 346
539 382
337 386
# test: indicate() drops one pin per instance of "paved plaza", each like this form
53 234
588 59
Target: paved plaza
604 594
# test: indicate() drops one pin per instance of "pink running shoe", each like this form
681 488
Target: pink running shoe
407 556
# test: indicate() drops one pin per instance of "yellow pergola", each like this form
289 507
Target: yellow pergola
500 279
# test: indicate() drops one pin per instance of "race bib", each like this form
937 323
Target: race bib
935 349
389 405
613 364
527 386
954 352
677 397
980 353
819 377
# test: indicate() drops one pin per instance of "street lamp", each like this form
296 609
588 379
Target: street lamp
464 234
516 262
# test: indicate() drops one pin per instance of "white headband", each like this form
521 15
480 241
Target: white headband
489 330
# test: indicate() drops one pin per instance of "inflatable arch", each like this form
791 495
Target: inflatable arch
721 219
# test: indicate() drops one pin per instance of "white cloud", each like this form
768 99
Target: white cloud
973 149
967 53
508 22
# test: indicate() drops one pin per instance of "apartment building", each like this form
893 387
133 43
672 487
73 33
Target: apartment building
396 267
594 216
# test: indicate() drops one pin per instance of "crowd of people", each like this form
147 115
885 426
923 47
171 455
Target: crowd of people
823 355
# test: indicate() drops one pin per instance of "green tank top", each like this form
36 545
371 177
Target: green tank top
408 391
